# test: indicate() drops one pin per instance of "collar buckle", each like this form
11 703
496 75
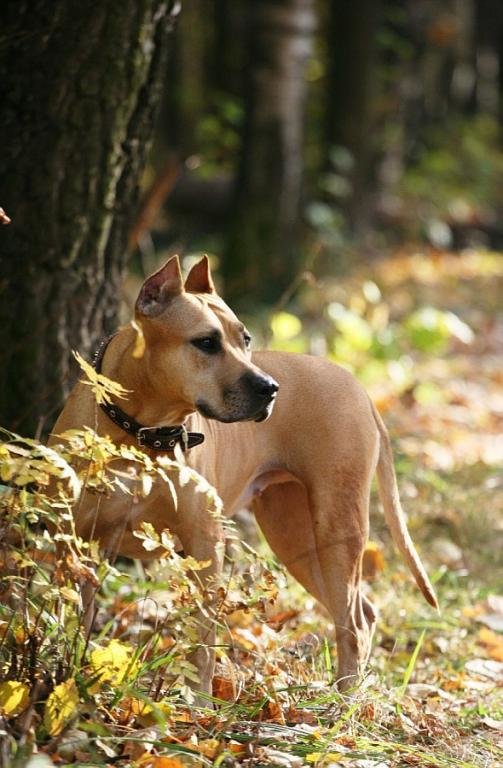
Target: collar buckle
141 437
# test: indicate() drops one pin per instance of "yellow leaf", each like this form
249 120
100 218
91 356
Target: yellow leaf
373 561
137 706
6 472
14 697
323 758
209 748
492 642
104 388
61 706
153 761
114 662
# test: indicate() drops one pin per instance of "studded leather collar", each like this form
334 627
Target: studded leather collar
157 438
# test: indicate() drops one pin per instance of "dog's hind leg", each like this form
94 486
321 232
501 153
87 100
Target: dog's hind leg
282 513
323 550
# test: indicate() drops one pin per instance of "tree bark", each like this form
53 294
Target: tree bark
81 84
262 253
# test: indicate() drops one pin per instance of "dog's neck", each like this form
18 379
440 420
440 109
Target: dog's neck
151 408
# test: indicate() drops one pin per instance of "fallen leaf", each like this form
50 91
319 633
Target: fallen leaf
373 561
490 722
113 663
209 748
159 761
278 620
492 615
236 747
492 642
486 668
275 757
272 711
224 688
61 706
14 698
305 716
423 690
323 758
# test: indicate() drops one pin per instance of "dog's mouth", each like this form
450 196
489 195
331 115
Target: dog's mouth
266 412
260 414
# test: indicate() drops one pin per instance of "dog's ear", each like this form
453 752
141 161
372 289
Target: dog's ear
158 289
199 278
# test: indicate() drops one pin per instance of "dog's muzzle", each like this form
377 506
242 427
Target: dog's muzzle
251 398
261 392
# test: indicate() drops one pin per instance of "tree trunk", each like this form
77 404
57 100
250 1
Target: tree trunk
81 83
352 46
489 56
262 253
188 97
229 46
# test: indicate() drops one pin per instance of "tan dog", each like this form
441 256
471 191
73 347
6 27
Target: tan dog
307 469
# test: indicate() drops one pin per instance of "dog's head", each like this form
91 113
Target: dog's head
196 349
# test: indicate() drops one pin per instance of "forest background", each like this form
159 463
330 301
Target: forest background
341 162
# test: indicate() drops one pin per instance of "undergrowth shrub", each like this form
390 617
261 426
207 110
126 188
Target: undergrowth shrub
134 665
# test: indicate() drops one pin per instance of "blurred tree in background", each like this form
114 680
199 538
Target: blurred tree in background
264 244
393 130
287 129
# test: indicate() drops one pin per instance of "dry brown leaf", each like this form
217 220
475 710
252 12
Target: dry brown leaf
273 711
236 747
278 620
305 716
224 688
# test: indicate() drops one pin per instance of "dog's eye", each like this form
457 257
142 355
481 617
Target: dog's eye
247 340
209 344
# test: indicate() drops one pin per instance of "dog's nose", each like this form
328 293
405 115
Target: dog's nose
264 386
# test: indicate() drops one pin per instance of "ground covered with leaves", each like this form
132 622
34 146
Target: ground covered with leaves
421 330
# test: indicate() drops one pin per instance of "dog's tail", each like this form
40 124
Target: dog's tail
394 514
